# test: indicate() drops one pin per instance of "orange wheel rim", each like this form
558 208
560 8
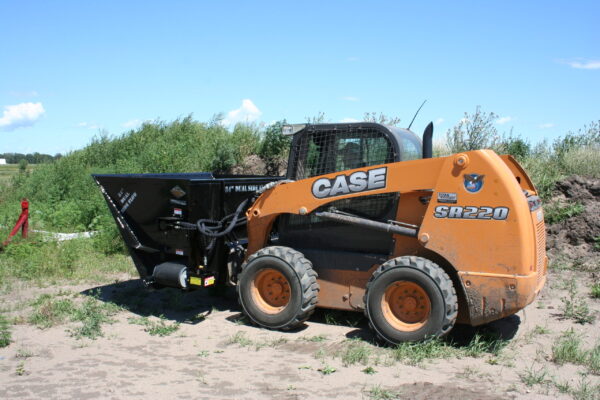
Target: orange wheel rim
270 291
406 306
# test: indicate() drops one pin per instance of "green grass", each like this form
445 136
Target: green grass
158 327
89 315
5 334
414 353
8 171
24 354
482 344
242 340
20 370
555 212
585 391
50 310
540 330
593 360
327 370
568 348
48 263
532 376
595 291
314 339
356 351
576 308
379 393
92 314
341 318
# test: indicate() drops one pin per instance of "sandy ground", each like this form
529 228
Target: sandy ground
201 361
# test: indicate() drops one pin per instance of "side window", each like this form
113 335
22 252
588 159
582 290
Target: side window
323 152
410 150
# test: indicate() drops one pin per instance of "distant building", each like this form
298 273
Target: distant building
2 161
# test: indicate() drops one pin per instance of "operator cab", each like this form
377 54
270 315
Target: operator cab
325 148
328 148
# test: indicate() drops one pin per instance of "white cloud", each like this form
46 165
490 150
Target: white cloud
248 112
352 59
89 125
546 126
345 120
584 64
21 115
350 98
439 121
503 120
132 124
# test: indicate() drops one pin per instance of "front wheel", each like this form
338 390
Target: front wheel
278 288
410 299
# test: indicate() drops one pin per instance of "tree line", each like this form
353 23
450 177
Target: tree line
31 158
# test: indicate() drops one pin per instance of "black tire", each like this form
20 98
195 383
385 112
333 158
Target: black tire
427 278
302 287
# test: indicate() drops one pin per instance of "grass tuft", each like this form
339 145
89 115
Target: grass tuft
556 212
414 353
567 348
92 314
531 376
356 351
595 292
379 393
5 334
49 311
369 370
327 370
314 339
156 327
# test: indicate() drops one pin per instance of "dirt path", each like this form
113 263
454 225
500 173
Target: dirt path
215 355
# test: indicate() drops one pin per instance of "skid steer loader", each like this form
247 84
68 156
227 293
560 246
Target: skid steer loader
365 220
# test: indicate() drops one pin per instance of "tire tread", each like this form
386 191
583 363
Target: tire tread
436 273
307 277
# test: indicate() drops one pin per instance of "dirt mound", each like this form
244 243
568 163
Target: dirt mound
577 236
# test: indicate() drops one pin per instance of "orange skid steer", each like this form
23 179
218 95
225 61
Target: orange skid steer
366 220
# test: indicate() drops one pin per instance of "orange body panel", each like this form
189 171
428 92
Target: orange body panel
497 265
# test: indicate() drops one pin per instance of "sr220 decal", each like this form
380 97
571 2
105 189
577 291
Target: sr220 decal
457 212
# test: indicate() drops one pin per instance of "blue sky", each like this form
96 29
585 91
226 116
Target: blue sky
71 69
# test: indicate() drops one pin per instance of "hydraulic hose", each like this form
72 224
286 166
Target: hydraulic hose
214 229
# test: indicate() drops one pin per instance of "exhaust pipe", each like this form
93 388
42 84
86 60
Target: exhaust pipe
428 141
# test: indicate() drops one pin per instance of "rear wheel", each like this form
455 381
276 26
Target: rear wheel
409 299
278 288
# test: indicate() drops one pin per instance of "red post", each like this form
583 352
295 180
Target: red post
22 222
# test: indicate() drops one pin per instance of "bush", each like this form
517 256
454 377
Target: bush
543 169
582 161
515 146
274 148
474 132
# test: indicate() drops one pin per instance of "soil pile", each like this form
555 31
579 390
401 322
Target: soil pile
577 237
